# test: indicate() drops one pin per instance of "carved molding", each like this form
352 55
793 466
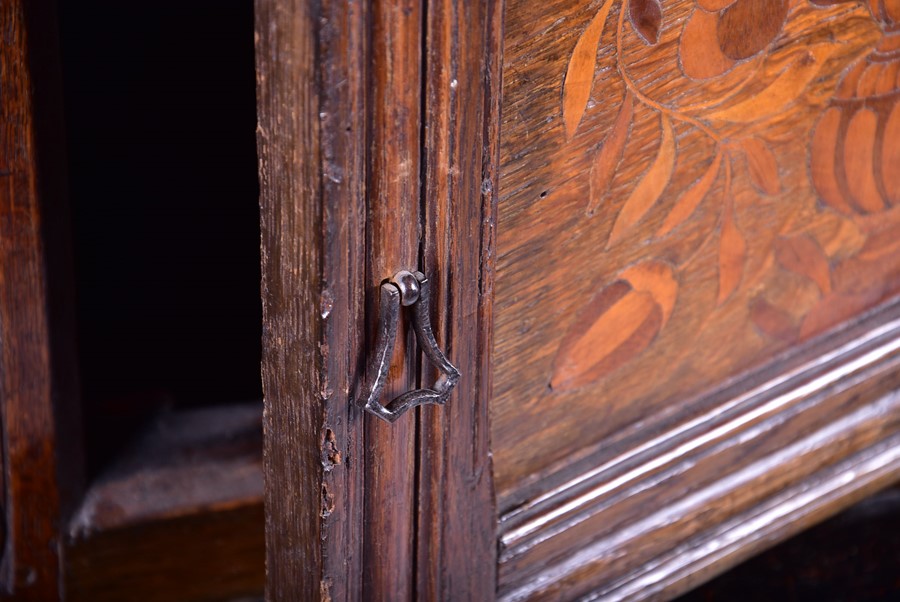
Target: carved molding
737 460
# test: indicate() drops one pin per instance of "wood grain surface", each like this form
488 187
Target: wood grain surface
640 516
687 189
394 224
40 476
312 176
379 149
457 532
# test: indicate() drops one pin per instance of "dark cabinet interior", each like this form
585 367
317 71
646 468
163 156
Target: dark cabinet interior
159 443
160 113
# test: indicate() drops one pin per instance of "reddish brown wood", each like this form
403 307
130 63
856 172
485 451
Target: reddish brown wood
32 499
394 230
661 240
654 258
456 518
420 520
213 554
312 138
627 155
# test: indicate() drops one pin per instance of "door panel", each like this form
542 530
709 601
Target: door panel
696 262
684 194
661 255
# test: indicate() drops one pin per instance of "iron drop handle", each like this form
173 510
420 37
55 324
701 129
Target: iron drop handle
408 289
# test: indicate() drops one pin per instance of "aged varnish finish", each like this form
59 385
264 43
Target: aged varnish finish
681 163
660 237
702 186
660 240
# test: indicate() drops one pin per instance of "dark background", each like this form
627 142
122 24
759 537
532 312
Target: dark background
160 117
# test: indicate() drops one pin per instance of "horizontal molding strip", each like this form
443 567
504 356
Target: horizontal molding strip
557 509
779 517
594 565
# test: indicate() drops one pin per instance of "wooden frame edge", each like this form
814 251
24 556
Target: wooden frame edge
457 509
310 82
865 417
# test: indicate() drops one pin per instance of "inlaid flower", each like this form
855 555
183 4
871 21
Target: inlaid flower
855 151
721 33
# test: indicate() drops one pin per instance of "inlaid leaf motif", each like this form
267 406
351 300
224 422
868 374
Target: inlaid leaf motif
646 18
822 164
688 202
701 57
657 279
844 238
651 186
802 255
835 309
859 160
732 253
786 88
773 321
746 27
762 166
580 71
617 324
607 159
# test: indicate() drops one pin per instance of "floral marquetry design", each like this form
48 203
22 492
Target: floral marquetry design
719 33
716 36
855 150
704 183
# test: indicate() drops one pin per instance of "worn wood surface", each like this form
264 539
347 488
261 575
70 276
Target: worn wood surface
27 387
699 186
696 261
660 241
311 139
394 228
457 537
390 123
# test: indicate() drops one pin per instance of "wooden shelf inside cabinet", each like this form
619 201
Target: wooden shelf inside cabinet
178 516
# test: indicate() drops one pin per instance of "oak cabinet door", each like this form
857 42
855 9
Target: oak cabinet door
662 241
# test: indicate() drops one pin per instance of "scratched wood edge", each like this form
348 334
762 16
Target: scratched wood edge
31 564
311 146
457 533
859 379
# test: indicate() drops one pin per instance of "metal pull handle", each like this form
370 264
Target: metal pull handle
408 289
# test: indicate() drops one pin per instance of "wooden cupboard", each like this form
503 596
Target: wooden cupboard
660 240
